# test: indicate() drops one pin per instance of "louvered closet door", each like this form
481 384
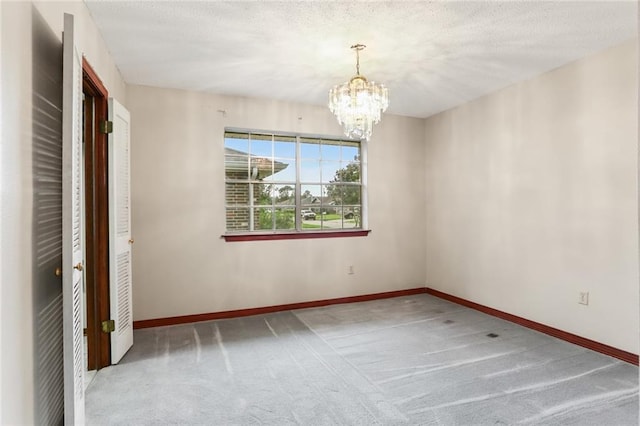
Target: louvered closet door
120 240
72 231
47 222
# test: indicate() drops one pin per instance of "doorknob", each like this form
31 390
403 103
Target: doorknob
58 272
78 266
131 241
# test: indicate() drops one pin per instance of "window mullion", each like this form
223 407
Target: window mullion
251 203
251 208
298 188
272 187
364 197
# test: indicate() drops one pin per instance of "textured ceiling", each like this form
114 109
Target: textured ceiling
431 55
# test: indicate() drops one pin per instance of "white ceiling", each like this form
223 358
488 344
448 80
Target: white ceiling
433 55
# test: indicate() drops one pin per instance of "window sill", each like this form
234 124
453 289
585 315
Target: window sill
295 235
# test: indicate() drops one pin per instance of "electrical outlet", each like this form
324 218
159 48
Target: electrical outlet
583 298
350 270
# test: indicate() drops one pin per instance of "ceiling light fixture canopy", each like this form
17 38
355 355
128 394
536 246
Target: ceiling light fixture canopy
358 103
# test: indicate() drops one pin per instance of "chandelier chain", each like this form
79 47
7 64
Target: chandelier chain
358 48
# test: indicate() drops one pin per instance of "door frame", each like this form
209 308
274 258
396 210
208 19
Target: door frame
97 220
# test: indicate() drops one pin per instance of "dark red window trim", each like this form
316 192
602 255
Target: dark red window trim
295 235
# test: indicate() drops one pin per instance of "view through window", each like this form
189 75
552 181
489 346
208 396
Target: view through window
291 183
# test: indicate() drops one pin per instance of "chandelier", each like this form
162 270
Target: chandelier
358 103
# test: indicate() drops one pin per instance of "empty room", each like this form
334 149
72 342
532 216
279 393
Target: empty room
319 212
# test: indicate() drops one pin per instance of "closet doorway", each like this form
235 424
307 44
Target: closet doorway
97 341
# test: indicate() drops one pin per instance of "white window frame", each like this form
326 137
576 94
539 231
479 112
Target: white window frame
297 186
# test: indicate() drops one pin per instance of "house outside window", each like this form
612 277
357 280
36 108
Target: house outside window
291 183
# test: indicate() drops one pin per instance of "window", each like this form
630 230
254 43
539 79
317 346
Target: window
291 183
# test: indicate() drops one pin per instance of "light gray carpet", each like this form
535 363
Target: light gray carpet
408 360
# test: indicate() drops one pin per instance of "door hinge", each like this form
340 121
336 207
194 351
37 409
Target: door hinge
108 326
106 127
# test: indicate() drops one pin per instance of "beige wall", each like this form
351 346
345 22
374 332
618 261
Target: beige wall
532 197
181 265
16 297
16 371
89 41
